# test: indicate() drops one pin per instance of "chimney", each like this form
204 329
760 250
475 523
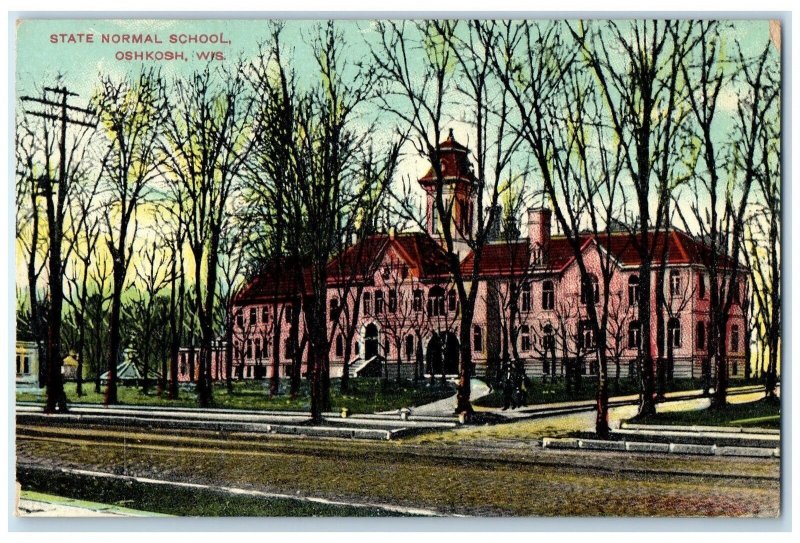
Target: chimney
493 227
539 234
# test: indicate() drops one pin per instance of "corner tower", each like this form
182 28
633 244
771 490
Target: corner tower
459 192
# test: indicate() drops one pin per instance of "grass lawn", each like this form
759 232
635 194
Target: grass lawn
366 396
761 413
554 392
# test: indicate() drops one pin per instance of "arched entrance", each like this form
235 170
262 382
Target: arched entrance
370 341
442 354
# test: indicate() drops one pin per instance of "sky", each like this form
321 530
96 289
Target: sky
39 61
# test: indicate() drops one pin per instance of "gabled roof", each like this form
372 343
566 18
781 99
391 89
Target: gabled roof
280 279
500 259
360 261
674 247
512 258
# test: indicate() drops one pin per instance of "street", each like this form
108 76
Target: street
469 475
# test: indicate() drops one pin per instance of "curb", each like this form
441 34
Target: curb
662 448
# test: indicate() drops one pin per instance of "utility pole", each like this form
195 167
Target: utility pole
56 399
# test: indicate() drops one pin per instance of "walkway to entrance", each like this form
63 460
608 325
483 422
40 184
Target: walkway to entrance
447 406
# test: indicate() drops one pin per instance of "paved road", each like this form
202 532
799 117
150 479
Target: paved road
452 477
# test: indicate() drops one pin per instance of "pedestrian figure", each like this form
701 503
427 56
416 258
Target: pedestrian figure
508 388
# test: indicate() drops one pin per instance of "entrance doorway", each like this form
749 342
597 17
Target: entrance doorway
370 341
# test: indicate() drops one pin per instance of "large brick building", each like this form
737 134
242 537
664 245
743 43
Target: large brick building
392 306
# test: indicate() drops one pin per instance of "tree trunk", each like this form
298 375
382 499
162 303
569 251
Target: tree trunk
316 353
601 405
463 405
176 324
399 358
229 351
275 380
114 336
344 384
647 406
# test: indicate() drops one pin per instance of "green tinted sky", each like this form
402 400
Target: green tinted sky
38 60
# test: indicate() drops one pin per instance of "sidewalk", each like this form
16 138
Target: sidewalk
539 410
447 406
36 504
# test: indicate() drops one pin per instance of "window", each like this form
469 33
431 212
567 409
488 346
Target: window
265 349
548 295
239 319
288 310
451 301
477 339
735 338
736 292
633 290
701 286
249 350
417 303
436 301
378 301
357 348
409 346
525 338
265 314
252 316
19 366
392 301
634 335
288 348
334 309
339 346
585 335
526 296
590 290
26 365
674 283
700 335
367 303
674 332
549 339
258 348
386 272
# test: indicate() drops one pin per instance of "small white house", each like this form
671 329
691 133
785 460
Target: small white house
27 363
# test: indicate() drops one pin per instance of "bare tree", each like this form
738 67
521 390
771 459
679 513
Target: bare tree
721 191
84 231
762 243
132 112
455 76
32 242
637 69
562 116
207 139
271 171
60 166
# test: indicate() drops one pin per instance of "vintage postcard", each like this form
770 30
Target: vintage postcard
373 268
